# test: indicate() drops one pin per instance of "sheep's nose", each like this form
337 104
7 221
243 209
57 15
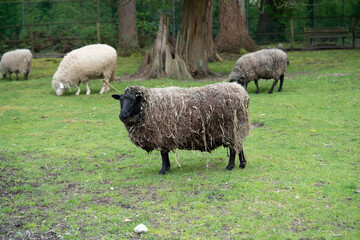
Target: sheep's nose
123 116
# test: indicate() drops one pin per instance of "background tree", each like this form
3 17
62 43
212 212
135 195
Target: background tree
233 33
210 47
193 45
128 40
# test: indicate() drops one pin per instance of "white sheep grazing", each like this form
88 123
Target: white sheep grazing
17 61
81 65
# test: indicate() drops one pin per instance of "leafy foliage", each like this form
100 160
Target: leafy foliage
65 25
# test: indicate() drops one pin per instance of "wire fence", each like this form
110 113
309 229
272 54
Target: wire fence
82 22
293 33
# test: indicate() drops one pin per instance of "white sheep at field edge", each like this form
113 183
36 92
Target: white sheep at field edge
17 61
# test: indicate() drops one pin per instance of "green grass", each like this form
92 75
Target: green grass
68 168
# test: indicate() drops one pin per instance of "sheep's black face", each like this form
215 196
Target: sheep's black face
239 78
242 81
130 106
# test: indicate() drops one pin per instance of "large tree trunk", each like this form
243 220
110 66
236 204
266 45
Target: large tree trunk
128 40
233 33
210 45
193 44
163 60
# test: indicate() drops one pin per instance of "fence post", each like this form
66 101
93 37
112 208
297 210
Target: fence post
98 32
353 31
292 33
98 21
23 14
31 33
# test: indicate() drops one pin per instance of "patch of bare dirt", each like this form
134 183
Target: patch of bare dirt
296 73
229 56
255 125
333 75
14 231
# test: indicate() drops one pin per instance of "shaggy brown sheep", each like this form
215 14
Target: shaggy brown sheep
199 118
265 64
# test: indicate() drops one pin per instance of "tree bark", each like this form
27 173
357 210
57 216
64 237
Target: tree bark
162 60
210 45
233 33
193 44
128 39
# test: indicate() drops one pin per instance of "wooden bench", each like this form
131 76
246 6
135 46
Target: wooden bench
326 33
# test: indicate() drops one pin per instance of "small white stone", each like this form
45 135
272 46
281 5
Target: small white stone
141 228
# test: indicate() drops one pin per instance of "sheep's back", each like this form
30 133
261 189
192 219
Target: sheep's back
86 63
265 64
201 118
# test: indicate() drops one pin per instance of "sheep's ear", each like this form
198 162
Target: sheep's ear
61 86
116 96
139 97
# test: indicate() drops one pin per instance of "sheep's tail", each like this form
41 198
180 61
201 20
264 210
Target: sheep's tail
29 63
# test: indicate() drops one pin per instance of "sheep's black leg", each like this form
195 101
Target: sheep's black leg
243 84
165 162
257 86
26 75
231 164
242 159
272 88
281 82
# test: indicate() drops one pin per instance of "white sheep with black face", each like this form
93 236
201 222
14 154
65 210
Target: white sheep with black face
83 64
262 64
17 61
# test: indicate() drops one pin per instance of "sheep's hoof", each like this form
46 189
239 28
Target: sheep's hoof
230 167
242 165
163 171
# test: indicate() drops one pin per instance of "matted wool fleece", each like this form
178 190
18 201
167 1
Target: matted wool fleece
199 118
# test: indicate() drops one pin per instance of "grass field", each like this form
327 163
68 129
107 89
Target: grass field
69 171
